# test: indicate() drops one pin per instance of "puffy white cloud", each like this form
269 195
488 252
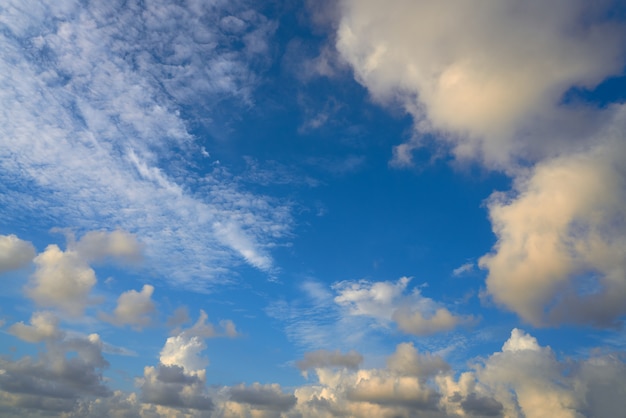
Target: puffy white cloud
184 348
43 326
118 244
14 253
133 308
560 255
184 351
387 301
482 73
62 280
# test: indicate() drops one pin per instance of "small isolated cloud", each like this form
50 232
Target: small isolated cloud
418 323
14 253
327 359
133 308
62 280
43 326
387 302
118 245
463 269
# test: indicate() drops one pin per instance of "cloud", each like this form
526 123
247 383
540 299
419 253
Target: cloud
14 253
118 245
184 348
184 351
43 326
133 308
55 380
258 396
64 279
463 269
523 379
327 359
387 302
96 134
173 386
560 252
481 75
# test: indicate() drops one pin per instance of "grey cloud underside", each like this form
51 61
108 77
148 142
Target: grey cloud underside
92 134
524 379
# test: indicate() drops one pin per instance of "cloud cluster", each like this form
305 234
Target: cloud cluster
523 379
69 369
491 81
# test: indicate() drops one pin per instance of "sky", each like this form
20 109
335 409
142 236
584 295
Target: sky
323 208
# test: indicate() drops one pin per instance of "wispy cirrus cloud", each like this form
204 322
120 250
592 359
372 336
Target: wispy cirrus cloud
93 135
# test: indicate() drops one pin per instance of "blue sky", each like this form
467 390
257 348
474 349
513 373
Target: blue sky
344 208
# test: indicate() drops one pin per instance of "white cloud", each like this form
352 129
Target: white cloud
118 244
387 302
184 348
463 269
184 351
133 308
43 326
561 248
93 134
64 279
14 253
483 74
417 323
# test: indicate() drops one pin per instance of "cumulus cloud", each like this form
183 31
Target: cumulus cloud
14 253
173 386
561 249
264 397
480 73
387 302
326 359
43 326
133 308
522 380
118 245
69 369
64 279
